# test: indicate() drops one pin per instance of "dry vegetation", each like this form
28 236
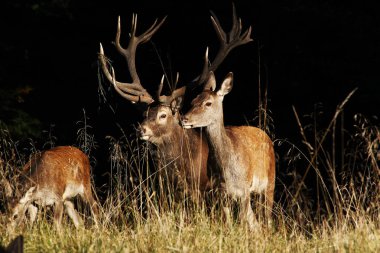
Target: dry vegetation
327 199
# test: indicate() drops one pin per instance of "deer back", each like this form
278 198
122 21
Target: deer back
57 167
54 174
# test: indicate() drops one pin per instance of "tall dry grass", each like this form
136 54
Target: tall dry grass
327 197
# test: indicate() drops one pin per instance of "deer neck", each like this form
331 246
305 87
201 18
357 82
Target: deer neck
171 144
219 141
226 157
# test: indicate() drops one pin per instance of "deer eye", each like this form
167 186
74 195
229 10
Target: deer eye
162 116
208 104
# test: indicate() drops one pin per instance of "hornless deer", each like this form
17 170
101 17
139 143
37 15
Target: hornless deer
187 148
53 177
244 154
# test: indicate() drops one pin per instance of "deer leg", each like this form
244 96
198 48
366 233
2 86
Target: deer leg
269 204
32 211
58 213
69 206
89 199
228 215
227 204
246 212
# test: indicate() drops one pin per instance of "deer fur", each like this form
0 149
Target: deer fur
52 178
183 152
244 154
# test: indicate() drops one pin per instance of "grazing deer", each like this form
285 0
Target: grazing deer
244 154
53 177
186 147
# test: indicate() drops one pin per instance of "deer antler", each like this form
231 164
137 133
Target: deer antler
134 91
227 42
175 94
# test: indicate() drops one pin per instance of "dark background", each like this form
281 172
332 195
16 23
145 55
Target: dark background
309 53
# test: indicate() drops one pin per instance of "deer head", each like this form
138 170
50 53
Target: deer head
161 119
207 107
160 115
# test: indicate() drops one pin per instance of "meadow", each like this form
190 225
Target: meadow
327 197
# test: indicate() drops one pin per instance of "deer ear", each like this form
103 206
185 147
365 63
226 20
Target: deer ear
227 84
176 104
211 82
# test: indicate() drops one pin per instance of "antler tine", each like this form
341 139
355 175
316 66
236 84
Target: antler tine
166 100
130 91
130 52
205 69
175 94
133 98
176 79
227 43
117 38
160 86
218 28
152 30
236 24
134 91
178 92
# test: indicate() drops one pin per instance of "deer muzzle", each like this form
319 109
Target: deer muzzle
185 122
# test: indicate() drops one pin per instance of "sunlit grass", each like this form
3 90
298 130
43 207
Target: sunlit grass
171 233
333 208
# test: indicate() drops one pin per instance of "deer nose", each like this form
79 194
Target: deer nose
142 130
184 119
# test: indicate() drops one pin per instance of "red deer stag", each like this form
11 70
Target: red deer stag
187 148
244 154
53 177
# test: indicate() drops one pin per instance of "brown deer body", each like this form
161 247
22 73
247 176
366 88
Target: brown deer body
185 150
244 154
52 178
